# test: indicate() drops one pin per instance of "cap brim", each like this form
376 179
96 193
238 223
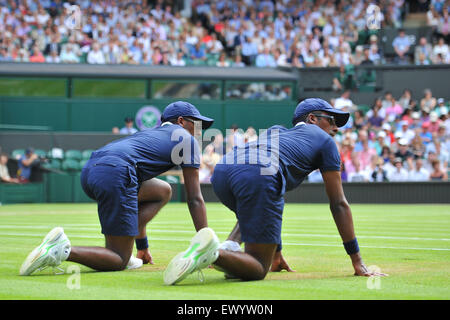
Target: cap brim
341 117
206 122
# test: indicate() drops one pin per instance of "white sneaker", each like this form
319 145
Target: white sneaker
54 249
203 251
134 263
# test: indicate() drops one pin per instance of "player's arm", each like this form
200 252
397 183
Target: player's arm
344 221
194 197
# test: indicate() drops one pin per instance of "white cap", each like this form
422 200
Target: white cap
386 126
381 134
433 116
398 135
415 115
403 142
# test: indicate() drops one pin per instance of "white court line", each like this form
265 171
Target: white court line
188 239
150 230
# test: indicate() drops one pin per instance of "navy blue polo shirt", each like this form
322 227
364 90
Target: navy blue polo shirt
154 151
302 149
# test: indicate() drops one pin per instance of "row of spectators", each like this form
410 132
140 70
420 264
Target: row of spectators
223 33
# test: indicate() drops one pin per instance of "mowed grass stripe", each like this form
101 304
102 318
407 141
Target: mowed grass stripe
323 272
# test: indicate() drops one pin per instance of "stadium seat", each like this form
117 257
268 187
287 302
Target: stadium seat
16 154
52 164
86 154
41 153
73 155
71 165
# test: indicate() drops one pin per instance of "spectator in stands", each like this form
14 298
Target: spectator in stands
434 122
25 164
198 52
178 60
428 102
95 55
399 174
426 135
344 101
4 172
359 175
406 100
438 174
401 46
441 52
376 171
404 132
223 62
128 128
441 153
393 111
365 155
235 137
280 58
418 172
366 58
403 152
53 58
417 147
237 62
37 55
376 121
250 135
68 55
208 161
54 45
423 52
359 120
443 28
265 59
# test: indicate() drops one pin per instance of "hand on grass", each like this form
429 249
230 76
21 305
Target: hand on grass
362 270
279 264
145 256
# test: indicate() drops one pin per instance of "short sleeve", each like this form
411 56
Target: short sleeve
191 158
331 160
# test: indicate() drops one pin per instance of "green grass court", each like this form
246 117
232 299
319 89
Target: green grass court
409 242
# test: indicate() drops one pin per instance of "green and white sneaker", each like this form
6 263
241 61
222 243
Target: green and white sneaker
203 251
54 249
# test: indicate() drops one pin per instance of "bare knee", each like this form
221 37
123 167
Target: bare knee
166 193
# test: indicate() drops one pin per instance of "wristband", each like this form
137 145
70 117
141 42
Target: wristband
352 246
141 244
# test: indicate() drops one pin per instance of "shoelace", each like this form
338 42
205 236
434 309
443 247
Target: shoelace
53 269
200 275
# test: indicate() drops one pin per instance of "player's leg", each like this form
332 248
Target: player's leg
153 195
253 264
114 187
114 257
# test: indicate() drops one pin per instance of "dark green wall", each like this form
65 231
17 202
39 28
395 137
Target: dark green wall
62 114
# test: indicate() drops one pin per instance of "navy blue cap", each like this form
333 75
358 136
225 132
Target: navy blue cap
184 109
317 104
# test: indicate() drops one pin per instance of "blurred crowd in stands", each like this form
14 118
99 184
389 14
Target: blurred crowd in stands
222 33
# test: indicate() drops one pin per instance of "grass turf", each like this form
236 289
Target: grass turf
409 242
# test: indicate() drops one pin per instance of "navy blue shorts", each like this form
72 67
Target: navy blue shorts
113 184
256 200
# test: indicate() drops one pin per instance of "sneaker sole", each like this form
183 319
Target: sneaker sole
204 242
33 262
